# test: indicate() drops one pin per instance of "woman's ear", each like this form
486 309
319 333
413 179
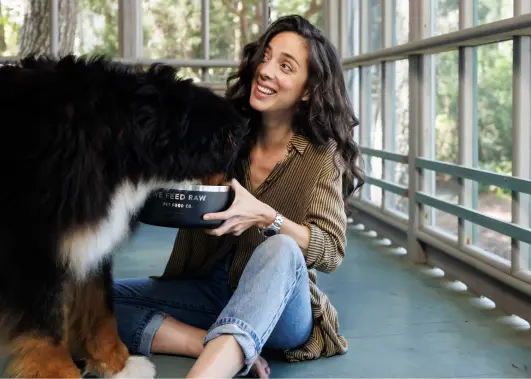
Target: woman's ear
306 95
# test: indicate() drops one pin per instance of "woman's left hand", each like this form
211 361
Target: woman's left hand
246 211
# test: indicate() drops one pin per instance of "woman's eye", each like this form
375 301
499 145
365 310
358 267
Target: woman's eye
286 66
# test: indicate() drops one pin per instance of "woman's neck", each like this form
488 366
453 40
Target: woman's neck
275 133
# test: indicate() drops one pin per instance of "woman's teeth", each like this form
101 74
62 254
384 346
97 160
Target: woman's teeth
264 90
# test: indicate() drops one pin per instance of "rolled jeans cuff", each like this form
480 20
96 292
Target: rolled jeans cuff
244 334
148 333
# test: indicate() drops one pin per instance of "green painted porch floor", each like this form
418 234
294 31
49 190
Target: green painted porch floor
400 321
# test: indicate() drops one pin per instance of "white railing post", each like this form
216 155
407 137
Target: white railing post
466 124
130 28
419 68
365 92
388 104
521 207
205 35
265 14
54 28
331 21
343 41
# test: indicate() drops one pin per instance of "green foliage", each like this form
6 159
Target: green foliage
108 35
171 28
446 106
493 99
10 30
494 108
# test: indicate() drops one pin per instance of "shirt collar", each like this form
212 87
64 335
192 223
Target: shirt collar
299 142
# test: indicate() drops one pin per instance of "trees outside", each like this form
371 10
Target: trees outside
35 30
171 28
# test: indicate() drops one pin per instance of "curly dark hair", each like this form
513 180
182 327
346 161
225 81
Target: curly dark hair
327 114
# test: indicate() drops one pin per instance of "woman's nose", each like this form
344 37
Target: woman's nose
267 71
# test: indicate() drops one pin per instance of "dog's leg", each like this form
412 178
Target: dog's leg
35 317
42 355
39 357
94 325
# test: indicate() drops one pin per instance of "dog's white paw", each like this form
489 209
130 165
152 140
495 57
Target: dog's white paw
137 366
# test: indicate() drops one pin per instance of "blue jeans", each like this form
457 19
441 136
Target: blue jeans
270 308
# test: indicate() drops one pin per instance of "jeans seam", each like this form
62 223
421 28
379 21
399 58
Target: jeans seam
286 298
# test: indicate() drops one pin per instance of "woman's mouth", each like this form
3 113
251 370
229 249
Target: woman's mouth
265 90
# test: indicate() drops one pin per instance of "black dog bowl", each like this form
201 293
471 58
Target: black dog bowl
186 206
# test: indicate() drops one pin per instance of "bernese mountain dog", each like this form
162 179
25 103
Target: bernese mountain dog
86 140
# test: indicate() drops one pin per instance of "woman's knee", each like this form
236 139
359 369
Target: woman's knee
281 251
281 241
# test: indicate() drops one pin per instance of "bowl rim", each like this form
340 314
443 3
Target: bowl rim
195 187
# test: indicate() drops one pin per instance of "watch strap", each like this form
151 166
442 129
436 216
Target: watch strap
274 228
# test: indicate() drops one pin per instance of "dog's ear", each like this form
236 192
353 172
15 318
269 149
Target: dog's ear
34 62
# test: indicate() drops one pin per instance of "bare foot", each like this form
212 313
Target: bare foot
260 368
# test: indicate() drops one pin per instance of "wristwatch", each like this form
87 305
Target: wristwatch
274 228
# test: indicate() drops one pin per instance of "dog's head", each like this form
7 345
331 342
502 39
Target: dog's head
212 136
197 134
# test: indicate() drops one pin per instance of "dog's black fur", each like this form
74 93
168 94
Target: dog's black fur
74 130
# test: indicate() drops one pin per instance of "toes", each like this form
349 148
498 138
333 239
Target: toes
261 368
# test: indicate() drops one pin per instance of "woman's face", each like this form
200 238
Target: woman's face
280 80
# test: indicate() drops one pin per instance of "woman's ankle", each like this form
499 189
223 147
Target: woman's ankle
222 358
195 342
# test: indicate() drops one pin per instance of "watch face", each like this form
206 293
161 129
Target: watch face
269 232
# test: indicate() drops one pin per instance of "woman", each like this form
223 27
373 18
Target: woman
227 293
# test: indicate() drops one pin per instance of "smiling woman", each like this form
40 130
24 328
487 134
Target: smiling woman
250 283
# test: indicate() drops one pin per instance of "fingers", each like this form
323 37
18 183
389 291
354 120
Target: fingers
233 226
225 215
233 209
223 228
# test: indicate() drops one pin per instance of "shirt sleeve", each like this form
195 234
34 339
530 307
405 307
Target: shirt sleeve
327 220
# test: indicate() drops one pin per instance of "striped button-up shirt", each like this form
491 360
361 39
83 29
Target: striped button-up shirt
307 189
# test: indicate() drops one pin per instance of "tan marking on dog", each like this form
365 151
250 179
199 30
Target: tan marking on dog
107 354
94 331
38 357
